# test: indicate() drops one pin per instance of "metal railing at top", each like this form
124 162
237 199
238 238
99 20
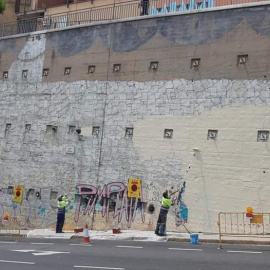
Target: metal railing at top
111 12
237 224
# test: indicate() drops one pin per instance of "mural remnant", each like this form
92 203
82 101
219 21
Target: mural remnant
29 207
182 211
113 197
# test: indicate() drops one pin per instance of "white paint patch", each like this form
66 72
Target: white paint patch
128 247
86 131
8 242
97 267
18 262
31 58
241 251
186 249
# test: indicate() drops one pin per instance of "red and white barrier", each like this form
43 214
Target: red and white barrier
86 237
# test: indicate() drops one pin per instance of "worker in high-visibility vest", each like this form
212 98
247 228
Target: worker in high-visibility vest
164 209
62 204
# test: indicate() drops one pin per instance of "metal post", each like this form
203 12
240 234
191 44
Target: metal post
90 15
24 6
3 28
67 18
113 9
219 229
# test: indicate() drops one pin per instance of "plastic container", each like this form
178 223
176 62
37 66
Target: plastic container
116 231
194 239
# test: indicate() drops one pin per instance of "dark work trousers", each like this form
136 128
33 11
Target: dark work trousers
162 219
145 6
60 220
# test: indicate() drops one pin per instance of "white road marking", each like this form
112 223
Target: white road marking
42 243
24 250
241 251
97 267
186 249
2 242
129 247
80 245
3 261
42 253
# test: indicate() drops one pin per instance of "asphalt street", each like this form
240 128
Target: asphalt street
41 254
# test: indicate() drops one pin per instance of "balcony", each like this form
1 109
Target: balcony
30 8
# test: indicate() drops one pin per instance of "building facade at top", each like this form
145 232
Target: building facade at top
179 101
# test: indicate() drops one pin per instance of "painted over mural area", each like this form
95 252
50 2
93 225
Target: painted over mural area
118 202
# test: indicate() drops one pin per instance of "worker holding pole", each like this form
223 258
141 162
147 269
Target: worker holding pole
162 218
62 204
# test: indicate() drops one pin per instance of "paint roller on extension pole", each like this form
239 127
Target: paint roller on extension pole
173 202
189 167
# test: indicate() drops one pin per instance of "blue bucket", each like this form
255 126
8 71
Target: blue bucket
194 239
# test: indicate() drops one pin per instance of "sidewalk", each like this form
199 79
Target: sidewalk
137 236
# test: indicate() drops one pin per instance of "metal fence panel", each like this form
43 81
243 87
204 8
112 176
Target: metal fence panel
110 12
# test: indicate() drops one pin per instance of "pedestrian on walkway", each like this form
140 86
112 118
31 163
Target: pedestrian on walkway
62 204
162 218
145 7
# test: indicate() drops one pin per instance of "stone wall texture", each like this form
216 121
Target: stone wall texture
138 122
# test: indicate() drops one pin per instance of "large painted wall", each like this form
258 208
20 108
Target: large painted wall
223 174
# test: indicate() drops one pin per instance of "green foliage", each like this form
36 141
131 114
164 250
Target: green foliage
3 6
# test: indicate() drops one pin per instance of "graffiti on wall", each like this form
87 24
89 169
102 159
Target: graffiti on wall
181 212
112 197
33 207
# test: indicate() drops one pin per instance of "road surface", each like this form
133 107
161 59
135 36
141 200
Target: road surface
44 254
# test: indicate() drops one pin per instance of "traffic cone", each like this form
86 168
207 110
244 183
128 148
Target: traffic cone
86 237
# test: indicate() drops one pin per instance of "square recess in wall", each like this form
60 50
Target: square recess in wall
67 70
95 131
212 134
168 133
263 136
7 129
154 65
71 129
242 59
28 127
91 69
195 63
24 74
5 75
45 72
49 129
129 133
10 190
116 67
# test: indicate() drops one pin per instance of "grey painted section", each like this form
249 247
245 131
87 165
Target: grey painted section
202 28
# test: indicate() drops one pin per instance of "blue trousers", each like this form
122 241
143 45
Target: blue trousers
60 221
161 223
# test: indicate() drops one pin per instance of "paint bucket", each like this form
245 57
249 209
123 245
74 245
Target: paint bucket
194 239
116 231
